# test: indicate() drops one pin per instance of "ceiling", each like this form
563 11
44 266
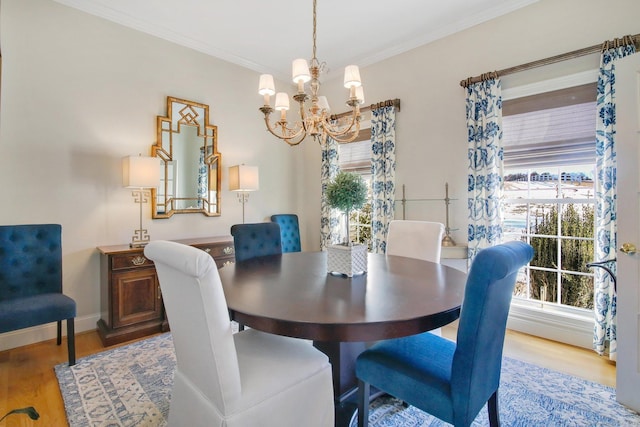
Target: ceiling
265 36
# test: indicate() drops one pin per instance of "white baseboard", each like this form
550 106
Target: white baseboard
572 330
36 334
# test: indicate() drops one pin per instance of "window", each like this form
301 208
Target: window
356 157
549 164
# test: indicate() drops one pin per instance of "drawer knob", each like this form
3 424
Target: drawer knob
228 250
207 250
138 260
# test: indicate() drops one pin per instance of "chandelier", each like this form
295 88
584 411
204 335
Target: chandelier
314 118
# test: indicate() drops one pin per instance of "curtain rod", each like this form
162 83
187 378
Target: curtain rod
387 103
635 39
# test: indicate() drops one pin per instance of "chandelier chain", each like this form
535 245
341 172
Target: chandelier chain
314 30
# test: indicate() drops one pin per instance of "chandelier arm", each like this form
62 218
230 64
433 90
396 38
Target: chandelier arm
291 142
355 121
338 136
289 139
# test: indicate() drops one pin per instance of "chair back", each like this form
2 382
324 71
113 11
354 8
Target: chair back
255 240
30 260
483 318
289 231
415 239
199 318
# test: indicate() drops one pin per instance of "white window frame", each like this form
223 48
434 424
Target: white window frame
560 202
559 323
362 167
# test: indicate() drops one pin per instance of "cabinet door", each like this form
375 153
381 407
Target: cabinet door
136 297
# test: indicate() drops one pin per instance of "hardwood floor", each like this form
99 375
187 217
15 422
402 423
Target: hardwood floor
27 377
576 361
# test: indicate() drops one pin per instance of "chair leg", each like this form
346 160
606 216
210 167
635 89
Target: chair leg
492 407
363 403
71 341
59 329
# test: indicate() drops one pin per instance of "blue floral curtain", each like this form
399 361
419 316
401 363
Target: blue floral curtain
485 186
383 171
605 193
329 218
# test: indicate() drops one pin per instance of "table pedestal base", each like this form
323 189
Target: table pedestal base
342 356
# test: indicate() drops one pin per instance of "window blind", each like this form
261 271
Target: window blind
355 156
562 135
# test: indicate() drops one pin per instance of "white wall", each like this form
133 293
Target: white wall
78 94
431 130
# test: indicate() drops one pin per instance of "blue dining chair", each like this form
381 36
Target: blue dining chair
254 240
452 380
31 281
289 231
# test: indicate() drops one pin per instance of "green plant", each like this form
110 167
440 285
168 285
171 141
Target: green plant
576 290
346 192
360 224
30 411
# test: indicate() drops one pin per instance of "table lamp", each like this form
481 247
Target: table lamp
243 179
141 174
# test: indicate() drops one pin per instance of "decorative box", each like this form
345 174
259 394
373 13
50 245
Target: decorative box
348 260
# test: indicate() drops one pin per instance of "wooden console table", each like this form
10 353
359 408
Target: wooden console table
130 298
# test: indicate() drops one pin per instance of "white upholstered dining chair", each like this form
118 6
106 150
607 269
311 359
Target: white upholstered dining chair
416 239
233 380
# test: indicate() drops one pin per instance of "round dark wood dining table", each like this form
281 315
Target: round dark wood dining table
293 295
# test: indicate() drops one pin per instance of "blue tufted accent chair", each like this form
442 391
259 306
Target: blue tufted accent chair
289 232
254 240
31 281
448 380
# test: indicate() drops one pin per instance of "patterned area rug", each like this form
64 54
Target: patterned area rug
131 386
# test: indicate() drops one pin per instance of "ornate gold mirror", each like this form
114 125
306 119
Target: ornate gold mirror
190 171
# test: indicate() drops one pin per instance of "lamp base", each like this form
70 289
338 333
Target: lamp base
448 241
138 245
140 238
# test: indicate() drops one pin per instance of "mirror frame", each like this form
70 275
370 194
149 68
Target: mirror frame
209 133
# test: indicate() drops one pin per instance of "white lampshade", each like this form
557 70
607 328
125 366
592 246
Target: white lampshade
243 178
352 76
323 104
282 101
300 71
140 172
266 86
